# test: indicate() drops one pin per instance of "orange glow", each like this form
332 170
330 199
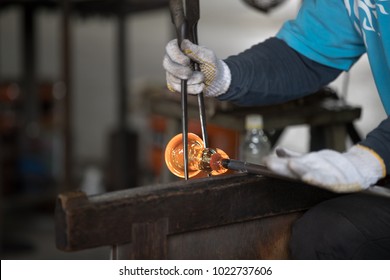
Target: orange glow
199 158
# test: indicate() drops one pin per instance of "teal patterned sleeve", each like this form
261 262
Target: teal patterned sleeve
324 32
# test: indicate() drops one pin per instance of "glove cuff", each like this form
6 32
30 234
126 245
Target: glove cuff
368 162
222 82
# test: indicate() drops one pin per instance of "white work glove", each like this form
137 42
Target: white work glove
213 79
352 171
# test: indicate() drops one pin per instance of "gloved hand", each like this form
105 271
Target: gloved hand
353 171
213 79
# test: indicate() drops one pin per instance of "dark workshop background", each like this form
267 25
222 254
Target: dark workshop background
33 141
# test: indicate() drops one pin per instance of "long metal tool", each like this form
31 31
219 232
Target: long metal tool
192 16
178 19
185 17
257 169
251 168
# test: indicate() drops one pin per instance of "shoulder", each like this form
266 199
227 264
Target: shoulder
324 32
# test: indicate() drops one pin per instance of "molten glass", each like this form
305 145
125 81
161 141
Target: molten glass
200 159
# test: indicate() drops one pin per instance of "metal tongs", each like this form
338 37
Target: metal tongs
185 17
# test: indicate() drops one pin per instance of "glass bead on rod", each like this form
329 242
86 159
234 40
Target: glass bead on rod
200 159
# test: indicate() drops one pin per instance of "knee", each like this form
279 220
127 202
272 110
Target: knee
307 233
320 234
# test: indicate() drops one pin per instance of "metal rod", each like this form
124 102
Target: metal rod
251 168
202 110
184 120
192 16
178 19
202 115
184 104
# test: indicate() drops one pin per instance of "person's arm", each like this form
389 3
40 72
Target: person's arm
269 72
272 72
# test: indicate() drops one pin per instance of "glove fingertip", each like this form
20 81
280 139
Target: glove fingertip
193 51
187 44
175 54
279 166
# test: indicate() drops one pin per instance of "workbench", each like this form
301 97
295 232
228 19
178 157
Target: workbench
235 216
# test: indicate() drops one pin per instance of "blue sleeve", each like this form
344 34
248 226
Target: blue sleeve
324 32
379 141
271 72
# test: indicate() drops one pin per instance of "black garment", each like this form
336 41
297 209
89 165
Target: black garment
271 72
350 227
379 141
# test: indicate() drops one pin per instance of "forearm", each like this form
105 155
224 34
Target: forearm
272 72
379 141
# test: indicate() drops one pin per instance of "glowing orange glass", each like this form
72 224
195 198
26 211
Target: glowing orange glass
199 158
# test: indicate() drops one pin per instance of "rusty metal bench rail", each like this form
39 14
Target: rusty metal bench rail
236 216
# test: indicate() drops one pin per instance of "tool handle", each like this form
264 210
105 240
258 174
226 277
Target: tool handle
244 166
178 19
251 168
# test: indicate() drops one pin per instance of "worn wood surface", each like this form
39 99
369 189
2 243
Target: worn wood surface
161 221
265 238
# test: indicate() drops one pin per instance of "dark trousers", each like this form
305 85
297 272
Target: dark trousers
355 226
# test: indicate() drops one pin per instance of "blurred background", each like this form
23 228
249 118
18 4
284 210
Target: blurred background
74 82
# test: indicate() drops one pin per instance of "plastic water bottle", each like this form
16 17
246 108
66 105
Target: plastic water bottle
256 144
